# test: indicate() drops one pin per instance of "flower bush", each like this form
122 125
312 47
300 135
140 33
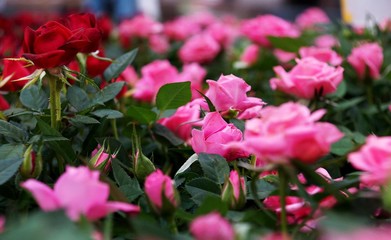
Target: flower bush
201 127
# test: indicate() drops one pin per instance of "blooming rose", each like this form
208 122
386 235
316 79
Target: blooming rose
201 48
181 28
215 136
212 227
289 131
326 55
374 160
79 192
194 73
223 33
259 28
307 77
159 43
158 186
14 70
55 44
310 17
367 56
326 41
229 93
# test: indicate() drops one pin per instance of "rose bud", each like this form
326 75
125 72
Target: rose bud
100 159
142 165
212 227
161 193
234 191
32 163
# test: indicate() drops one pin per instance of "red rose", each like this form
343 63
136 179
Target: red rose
14 70
55 44
4 105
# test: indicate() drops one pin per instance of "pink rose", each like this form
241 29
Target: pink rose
259 28
283 56
223 33
212 227
374 160
326 41
153 76
289 131
230 93
159 43
296 207
158 186
79 192
100 159
181 28
250 54
308 77
194 73
234 190
201 48
310 17
182 121
326 55
367 56
215 136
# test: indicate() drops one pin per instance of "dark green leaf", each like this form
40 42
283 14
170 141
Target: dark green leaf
107 113
129 186
34 98
200 188
173 95
212 203
167 134
349 103
11 156
343 146
78 98
119 65
108 93
214 166
11 131
288 44
83 119
263 189
141 115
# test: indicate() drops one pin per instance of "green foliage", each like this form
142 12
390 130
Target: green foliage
119 65
173 95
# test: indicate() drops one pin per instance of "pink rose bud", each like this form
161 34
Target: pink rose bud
367 60
250 54
212 227
32 163
79 192
234 191
215 137
326 41
161 193
326 55
374 160
309 77
201 48
100 159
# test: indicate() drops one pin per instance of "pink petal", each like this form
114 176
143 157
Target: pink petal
99 211
44 195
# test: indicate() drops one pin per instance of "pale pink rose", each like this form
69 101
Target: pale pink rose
367 56
230 93
259 28
158 186
215 136
307 77
79 192
182 121
212 227
194 73
326 55
283 56
250 54
311 17
374 159
223 33
289 131
159 43
153 76
181 28
326 41
201 48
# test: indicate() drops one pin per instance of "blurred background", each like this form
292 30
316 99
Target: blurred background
168 9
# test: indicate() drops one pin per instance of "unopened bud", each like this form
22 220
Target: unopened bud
234 191
32 163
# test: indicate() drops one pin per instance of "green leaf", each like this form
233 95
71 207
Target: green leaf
62 148
288 44
11 156
193 158
119 65
11 131
214 166
108 93
200 188
78 98
343 146
34 98
167 134
83 120
141 115
173 95
341 90
349 103
107 113
263 189
210 204
129 186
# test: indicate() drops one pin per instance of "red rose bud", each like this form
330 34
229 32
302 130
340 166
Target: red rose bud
234 191
32 163
100 159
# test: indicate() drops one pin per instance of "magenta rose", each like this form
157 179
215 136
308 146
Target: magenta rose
212 227
201 48
367 59
308 77
215 137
